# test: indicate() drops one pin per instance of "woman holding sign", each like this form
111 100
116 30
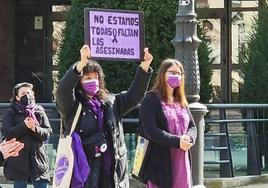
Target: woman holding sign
168 125
99 124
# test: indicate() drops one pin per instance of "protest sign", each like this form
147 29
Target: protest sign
114 34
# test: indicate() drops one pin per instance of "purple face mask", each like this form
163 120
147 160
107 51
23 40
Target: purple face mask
91 87
174 80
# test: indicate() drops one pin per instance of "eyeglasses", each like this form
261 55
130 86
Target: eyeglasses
175 73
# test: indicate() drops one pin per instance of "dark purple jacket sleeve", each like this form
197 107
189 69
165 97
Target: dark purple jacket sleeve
149 114
192 131
9 127
1 158
154 123
127 100
65 95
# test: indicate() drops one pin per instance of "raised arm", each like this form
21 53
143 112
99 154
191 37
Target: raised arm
129 99
65 96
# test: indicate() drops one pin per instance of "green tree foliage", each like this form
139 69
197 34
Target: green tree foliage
159 31
254 61
159 17
205 62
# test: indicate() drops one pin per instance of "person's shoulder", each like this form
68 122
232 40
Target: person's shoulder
109 100
152 95
38 107
10 112
11 108
110 96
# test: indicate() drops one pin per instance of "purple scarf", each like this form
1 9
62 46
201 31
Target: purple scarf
95 105
28 110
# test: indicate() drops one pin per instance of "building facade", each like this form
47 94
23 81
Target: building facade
30 35
26 35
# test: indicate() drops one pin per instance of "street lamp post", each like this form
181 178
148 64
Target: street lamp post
186 43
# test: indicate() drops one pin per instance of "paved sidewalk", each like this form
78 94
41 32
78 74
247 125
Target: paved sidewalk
246 186
11 186
258 181
254 186
237 182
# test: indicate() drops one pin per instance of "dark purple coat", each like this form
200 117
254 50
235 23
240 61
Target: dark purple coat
32 161
157 164
114 108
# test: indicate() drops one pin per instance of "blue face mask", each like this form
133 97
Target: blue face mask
91 87
174 81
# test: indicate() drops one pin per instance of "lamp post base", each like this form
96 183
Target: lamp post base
198 111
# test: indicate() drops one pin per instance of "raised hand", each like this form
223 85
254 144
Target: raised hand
84 57
30 123
11 148
147 60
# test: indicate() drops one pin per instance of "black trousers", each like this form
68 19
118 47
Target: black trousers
98 178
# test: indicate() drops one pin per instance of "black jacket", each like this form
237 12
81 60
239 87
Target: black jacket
114 108
1 158
157 164
32 161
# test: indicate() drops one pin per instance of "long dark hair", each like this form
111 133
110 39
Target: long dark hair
93 66
160 83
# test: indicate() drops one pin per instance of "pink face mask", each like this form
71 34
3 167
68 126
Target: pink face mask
91 87
174 80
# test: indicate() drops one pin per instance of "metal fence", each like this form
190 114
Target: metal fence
235 137
238 134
